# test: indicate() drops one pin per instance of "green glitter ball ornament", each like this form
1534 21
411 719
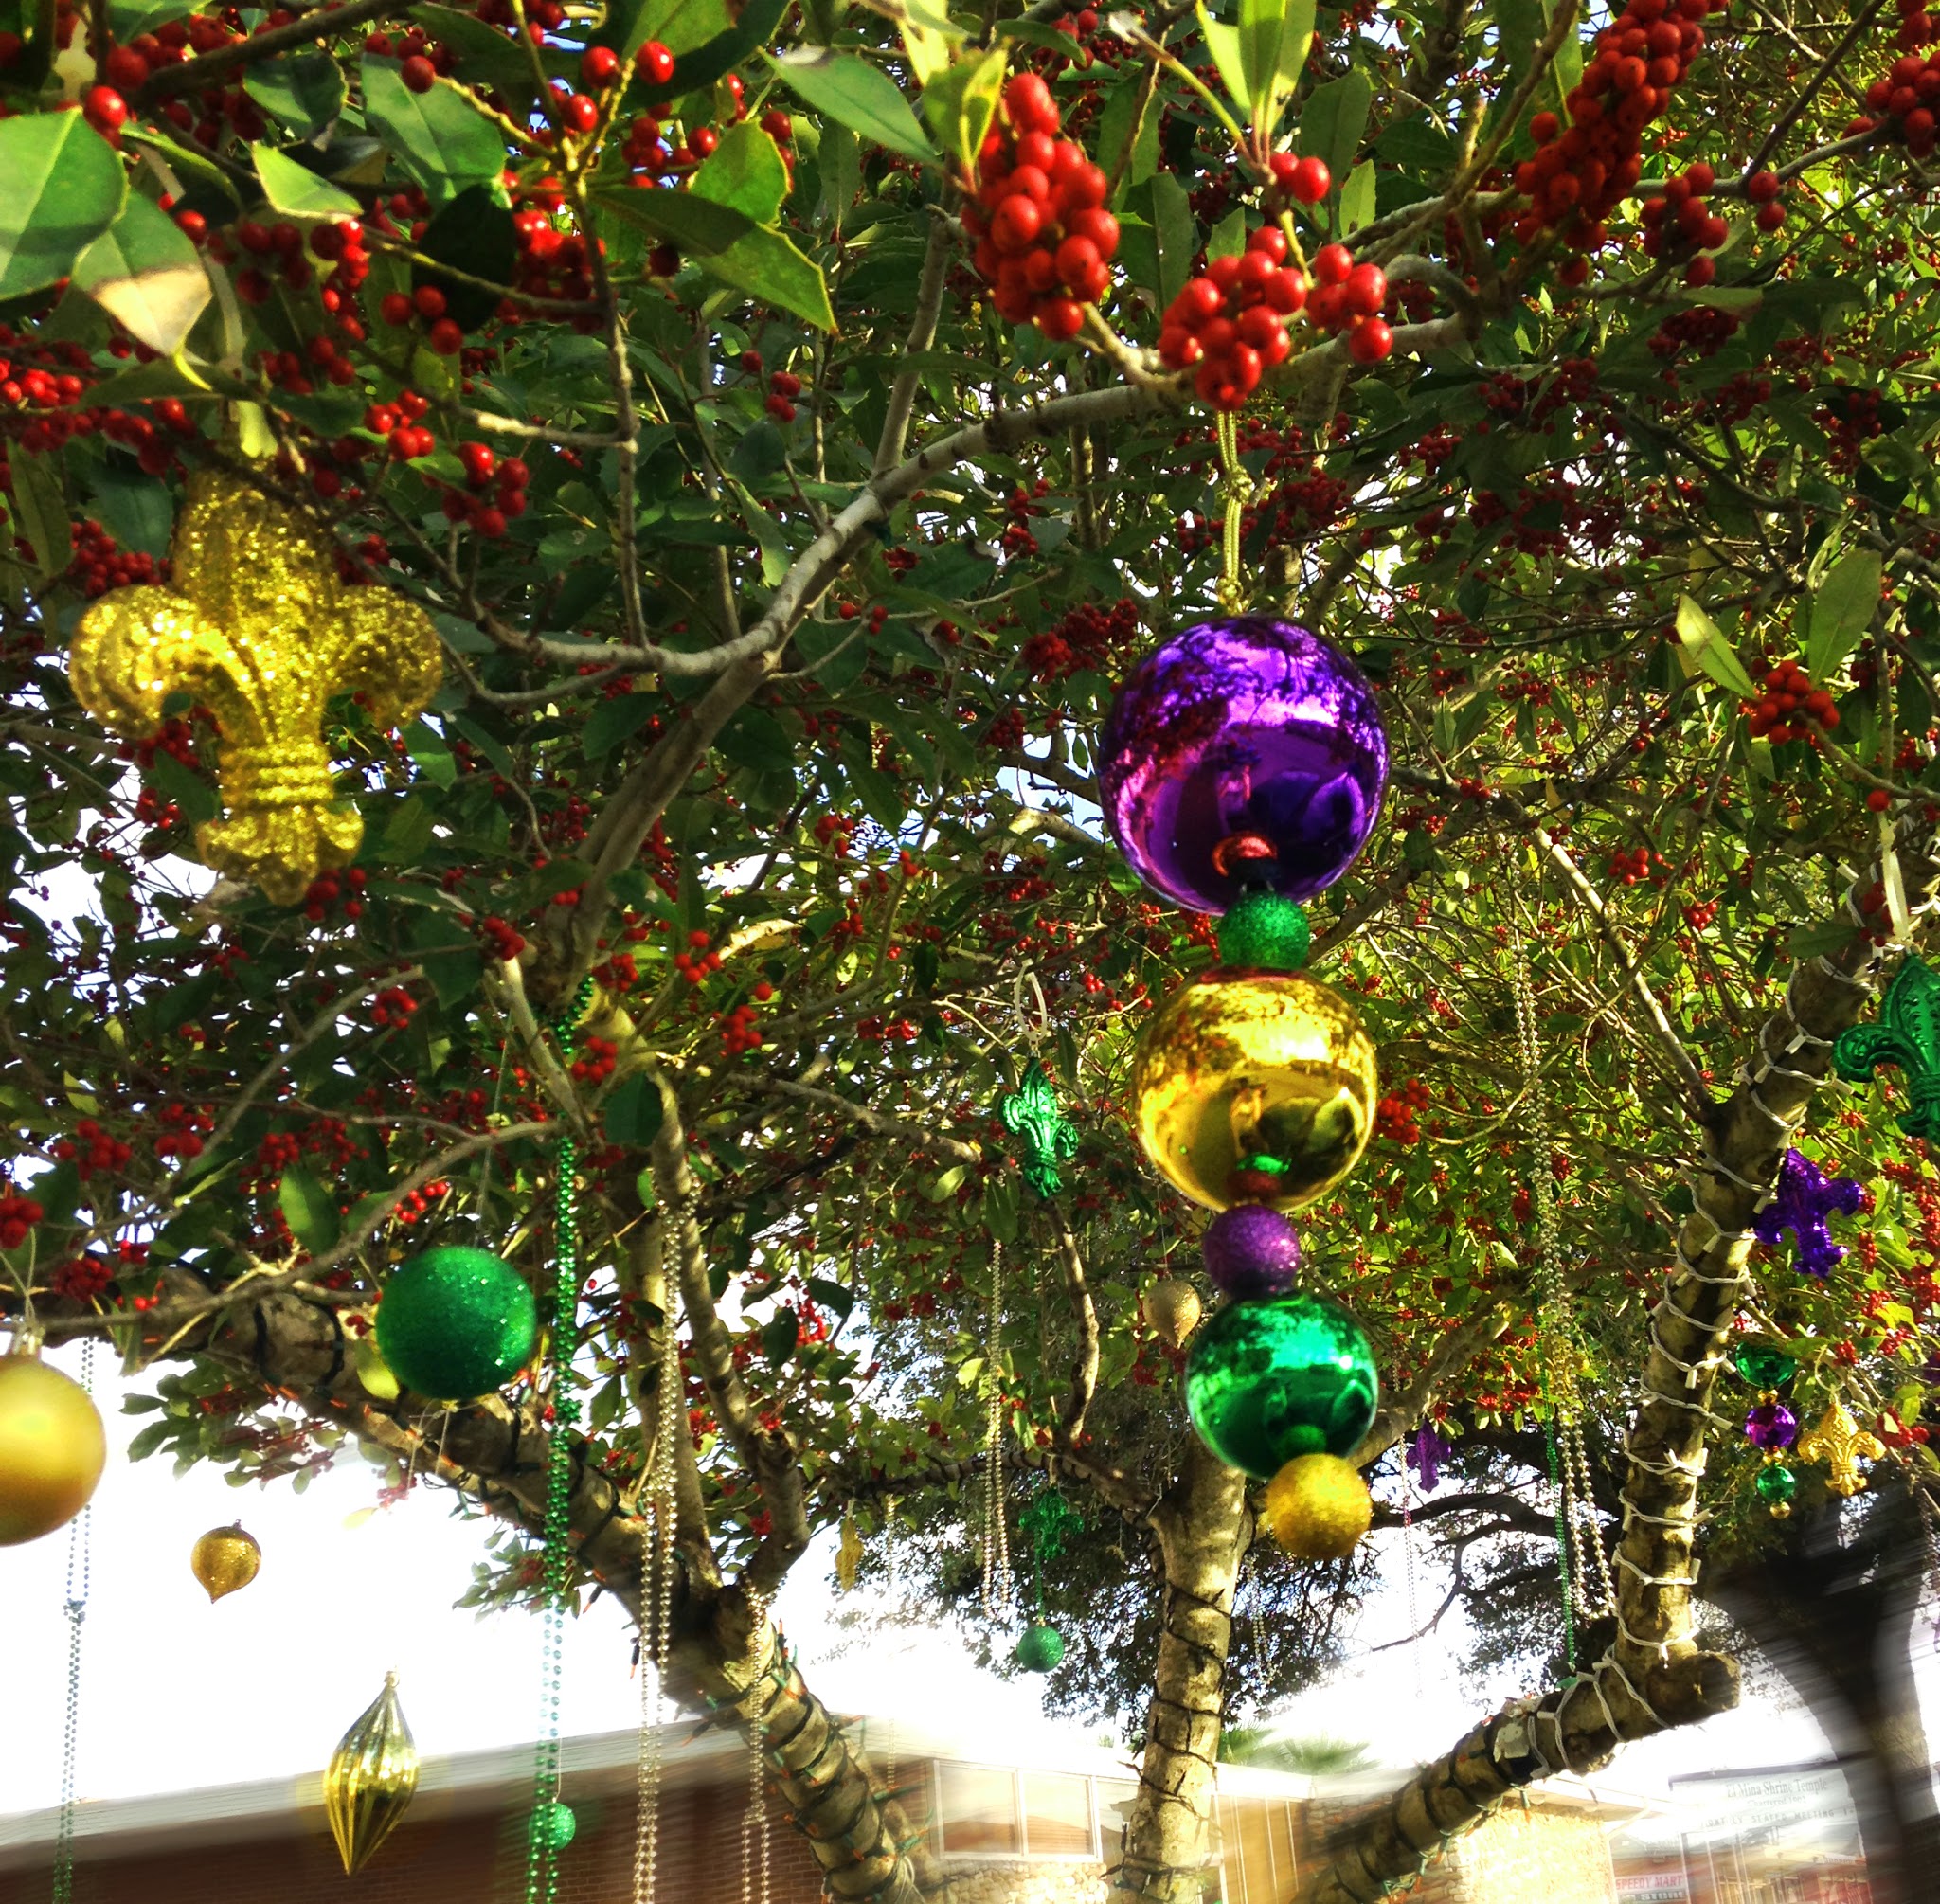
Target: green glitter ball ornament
1040 1648
1272 1380
1764 1364
1263 932
456 1322
557 1824
1776 1484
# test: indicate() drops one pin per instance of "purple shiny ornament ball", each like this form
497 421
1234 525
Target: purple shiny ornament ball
1242 726
1771 1424
1251 1251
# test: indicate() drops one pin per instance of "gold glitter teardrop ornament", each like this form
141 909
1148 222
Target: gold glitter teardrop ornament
1318 1507
1254 1088
371 1777
1172 1311
225 1560
1842 1444
849 1554
259 627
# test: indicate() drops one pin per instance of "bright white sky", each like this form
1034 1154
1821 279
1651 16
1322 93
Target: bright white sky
177 1693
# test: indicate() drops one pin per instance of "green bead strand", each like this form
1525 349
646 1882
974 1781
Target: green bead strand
559 1313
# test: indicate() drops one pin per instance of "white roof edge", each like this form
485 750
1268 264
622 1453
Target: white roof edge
465 1782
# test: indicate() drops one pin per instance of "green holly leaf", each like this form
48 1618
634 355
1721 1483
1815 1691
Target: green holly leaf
64 187
745 172
1702 644
309 1209
863 97
771 269
1843 609
146 275
438 136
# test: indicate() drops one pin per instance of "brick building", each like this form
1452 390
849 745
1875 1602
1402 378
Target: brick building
1006 1833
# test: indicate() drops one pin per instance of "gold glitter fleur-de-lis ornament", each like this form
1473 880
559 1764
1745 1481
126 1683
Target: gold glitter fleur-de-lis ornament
259 627
1842 1444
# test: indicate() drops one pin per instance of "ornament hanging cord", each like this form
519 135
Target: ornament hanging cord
1238 489
74 1601
561 1318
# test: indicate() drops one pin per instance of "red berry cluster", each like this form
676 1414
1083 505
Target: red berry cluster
426 303
1395 1115
1581 175
1231 323
739 1031
183 1126
1636 866
325 890
398 423
1907 96
392 1006
487 511
597 1061
1298 181
18 1214
1789 706
1699 913
502 940
414 1203
91 1149
1086 637
1044 241
834 830
99 565
783 387
697 962
1678 225
81 1279
1349 297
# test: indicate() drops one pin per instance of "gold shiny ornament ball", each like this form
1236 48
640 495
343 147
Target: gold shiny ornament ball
1318 1507
1255 1088
52 1449
225 1560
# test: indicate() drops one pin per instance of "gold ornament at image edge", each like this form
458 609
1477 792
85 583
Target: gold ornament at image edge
258 626
52 1449
1318 1507
1270 1065
371 1777
225 1560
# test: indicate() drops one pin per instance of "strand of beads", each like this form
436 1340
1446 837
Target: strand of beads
550 1828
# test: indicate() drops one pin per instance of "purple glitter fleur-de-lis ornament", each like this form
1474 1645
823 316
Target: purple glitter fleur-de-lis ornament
1803 1198
1426 1454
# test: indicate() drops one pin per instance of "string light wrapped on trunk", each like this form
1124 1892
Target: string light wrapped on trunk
1240 772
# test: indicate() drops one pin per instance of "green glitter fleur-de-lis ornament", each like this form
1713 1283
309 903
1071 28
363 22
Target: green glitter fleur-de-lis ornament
1050 1138
1908 1034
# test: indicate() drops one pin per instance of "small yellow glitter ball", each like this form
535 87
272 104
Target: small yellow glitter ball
1318 1507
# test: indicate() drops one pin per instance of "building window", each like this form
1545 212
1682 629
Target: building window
979 1811
1057 1815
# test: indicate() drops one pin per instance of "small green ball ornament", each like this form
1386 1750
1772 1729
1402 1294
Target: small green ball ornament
1040 1650
1776 1484
1269 1381
1263 931
555 1824
1764 1364
456 1322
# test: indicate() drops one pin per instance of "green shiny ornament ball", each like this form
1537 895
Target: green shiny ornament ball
1776 1484
554 1825
1269 1381
1764 1365
1040 1648
456 1322
1263 932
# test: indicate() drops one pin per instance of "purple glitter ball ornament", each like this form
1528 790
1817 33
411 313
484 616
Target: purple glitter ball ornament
1251 1251
1241 750
1771 1424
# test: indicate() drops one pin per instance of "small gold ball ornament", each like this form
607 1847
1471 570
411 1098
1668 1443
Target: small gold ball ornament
1172 1311
1255 1088
1318 1507
52 1449
225 1560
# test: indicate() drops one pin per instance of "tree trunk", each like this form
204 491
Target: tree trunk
1203 1529
1837 1620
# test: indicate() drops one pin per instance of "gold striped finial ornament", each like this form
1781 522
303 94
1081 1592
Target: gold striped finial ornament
224 1561
371 1778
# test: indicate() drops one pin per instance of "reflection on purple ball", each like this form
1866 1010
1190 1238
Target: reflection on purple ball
1242 726
1251 1251
1771 1424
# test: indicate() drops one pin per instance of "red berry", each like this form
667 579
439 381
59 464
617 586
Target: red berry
1310 181
396 308
598 65
105 109
1371 341
653 64
579 114
418 73
1332 264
